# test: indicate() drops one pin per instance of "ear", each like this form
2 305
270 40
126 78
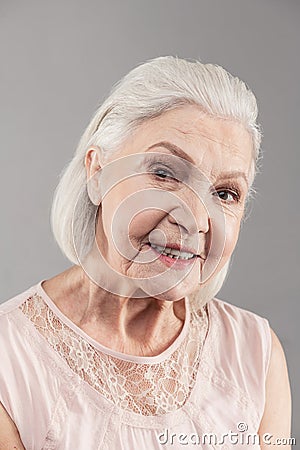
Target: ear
92 163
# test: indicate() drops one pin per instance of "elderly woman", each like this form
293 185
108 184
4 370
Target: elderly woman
129 348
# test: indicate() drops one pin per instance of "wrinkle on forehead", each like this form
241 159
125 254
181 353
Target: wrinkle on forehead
207 132
211 140
234 148
202 130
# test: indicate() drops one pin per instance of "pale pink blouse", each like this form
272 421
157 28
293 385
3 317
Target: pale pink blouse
66 391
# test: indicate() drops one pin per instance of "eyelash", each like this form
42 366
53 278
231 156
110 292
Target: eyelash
232 189
169 174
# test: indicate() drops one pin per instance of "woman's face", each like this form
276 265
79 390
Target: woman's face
172 200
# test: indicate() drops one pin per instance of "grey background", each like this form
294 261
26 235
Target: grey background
59 60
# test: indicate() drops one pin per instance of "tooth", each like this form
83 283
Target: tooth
158 247
172 253
175 252
186 255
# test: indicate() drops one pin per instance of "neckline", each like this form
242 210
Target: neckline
106 350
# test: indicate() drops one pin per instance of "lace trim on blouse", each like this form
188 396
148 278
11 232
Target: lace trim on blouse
146 389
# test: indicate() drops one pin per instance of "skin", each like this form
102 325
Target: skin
9 435
276 419
147 326
214 150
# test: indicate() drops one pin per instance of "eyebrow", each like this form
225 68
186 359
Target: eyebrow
174 149
177 151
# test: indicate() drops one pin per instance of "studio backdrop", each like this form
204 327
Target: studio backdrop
59 60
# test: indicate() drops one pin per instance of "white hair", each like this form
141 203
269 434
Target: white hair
147 91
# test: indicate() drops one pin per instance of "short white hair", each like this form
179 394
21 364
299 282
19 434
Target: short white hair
147 91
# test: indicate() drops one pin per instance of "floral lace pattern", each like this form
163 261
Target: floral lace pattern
146 389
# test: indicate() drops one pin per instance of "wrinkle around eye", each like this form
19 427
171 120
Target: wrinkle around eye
232 208
179 167
167 183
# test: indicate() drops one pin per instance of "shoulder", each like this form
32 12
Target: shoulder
247 322
13 303
14 348
277 378
27 369
231 310
277 413
12 322
243 332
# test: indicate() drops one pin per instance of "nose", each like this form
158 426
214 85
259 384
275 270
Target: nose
191 215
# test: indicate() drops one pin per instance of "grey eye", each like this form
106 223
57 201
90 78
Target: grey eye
163 173
227 195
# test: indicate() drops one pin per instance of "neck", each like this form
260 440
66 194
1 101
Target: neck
138 326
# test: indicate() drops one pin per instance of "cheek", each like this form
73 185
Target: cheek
224 237
129 226
232 229
112 210
130 212
145 223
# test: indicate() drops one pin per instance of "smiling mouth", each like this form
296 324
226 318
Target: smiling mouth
173 252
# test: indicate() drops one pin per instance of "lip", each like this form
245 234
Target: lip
178 264
176 246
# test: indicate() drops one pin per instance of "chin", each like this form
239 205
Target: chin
164 292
